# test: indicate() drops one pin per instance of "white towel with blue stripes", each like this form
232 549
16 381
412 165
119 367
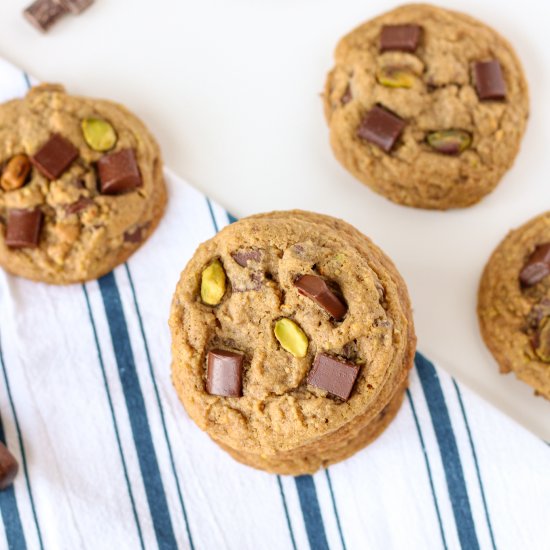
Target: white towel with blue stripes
109 458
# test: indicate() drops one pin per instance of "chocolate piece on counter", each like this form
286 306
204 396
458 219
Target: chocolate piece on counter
76 6
403 38
381 127
8 467
118 172
79 205
225 373
55 156
137 234
347 97
245 255
42 14
537 266
335 376
23 228
317 290
489 80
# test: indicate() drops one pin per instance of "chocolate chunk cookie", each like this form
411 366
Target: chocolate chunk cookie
292 339
81 186
426 106
514 304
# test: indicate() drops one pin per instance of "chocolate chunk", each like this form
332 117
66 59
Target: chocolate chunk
79 205
254 283
347 97
76 6
489 80
333 375
8 467
42 14
317 290
537 266
137 234
118 172
381 127
23 228
245 255
404 38
55 156
225 373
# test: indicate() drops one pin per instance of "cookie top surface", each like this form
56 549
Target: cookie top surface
454 104
289 342
514 303
81 185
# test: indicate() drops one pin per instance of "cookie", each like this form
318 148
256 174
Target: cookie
426 106
292 339
81 186
514 304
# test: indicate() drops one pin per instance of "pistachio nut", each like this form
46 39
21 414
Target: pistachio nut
449 142
291 337
99 134
396 77
15 172
213 283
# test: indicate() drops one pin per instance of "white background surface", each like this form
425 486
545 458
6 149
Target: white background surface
231 91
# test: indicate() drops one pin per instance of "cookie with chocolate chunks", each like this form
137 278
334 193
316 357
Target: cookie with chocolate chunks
308 365
514 304
81 186
426 106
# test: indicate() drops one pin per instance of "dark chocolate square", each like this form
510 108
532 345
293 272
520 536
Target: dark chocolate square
381 127
23 228
403 38
333 375
489 80
55 156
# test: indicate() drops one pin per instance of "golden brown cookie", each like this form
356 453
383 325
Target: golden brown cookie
292 338
514 303
81 186
426 106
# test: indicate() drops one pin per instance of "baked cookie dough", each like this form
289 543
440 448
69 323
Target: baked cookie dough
426 106
514 304
292 339
81 186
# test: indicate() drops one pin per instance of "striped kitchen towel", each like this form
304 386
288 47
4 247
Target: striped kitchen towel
109 459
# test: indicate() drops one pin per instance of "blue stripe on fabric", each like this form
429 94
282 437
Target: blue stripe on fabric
231 218
287 516
449 453
135 404
428 468
21 448
311 511
161 409
27 80
211 210
478 471
10 512
335 509
115 424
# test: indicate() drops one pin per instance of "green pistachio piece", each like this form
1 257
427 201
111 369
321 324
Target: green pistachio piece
291 337
541 342
450 142
99 134
213 283
396 77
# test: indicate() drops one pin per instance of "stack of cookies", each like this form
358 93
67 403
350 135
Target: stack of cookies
292 340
